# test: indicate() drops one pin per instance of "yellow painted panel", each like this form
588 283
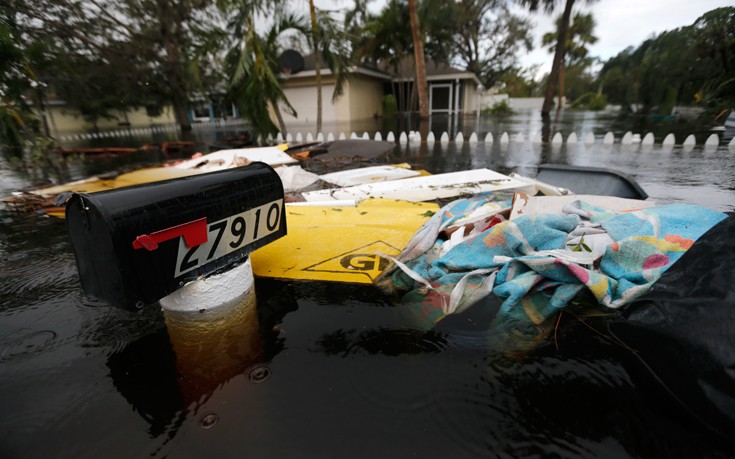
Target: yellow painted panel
153 174
91 185
341 244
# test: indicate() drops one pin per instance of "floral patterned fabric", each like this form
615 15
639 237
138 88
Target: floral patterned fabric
538 263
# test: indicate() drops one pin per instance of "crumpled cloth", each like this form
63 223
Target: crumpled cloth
537 263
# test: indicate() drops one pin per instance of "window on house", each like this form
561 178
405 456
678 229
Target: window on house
200 110
153 110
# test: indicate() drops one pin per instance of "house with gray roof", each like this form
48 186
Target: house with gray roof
451 90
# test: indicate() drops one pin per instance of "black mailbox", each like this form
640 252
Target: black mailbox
135 245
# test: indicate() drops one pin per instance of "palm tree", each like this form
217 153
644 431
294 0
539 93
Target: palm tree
559 52
317 64
328 41
383 38
418 53
336 51
253 67
579 35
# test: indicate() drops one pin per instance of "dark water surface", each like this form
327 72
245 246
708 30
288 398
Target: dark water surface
334 370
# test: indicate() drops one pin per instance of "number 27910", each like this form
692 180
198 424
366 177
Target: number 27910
230 234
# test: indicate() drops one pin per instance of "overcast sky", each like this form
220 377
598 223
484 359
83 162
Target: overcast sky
620 23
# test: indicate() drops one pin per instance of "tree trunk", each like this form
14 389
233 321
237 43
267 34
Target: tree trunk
181 110
560 103
279 117
172 68
317 66
555 68
401 97
418 54
42 113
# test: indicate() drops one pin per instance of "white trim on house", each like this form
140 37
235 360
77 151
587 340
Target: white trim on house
457 91
446 76
327 72
450 87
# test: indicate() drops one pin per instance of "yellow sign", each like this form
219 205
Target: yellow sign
364 262
341 244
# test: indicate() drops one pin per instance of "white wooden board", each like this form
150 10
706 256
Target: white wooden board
426 188
371 174
224 159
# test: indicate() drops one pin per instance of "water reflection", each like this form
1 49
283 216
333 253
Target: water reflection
169 375
145 374
385 341
213 346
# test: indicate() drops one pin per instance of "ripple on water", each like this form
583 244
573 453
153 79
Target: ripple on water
113 328
32 280
24 343
396 369
519 408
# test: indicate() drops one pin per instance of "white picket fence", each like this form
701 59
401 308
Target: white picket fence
414 137
134 132
687 111
230 122
589 138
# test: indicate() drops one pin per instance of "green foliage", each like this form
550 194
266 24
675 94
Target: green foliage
385 37
581 101
41 150
580 246
390 106
489 38
715 44
693 64
11 127
574 76
14 79
669 100
520 82
578 80
252 64
590 101
333 47
101 56
597 102
579 35
482 35
501 108
17 80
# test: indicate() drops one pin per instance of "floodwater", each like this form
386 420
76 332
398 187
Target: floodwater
333 370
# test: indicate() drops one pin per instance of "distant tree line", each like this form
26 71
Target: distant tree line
688 65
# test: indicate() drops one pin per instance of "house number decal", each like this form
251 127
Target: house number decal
230 234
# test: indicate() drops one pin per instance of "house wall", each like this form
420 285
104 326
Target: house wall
526 103
365 97
470 97
516 103
63 119
362 99
488 100
301 93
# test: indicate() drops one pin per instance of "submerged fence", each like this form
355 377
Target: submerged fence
629 138
133 132
128 132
